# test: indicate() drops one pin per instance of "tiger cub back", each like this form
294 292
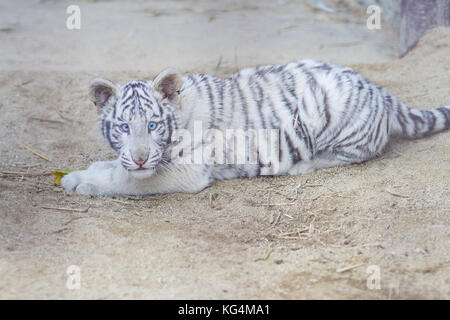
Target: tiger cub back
326 114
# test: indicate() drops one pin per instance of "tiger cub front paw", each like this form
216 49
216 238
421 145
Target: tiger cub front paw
76 181
87 189
71 180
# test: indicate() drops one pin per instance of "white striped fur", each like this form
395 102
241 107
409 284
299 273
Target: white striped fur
327 115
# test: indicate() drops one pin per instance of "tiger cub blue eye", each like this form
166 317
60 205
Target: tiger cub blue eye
124 127
151 125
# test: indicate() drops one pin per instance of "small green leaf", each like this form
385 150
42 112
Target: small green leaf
59 174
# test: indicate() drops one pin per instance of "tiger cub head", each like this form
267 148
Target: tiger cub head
137 119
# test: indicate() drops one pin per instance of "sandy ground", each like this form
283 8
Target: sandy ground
247 239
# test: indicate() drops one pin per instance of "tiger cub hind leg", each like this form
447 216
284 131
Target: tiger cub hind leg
328 159
309 166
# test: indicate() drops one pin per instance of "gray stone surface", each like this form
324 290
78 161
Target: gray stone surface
420 16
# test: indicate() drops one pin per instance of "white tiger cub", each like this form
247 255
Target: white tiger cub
324 115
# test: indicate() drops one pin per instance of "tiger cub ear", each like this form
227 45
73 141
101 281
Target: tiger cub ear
101 92
168 83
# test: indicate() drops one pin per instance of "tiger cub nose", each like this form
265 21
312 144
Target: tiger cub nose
140 157
140 161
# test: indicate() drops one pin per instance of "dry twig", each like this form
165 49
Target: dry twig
349 268
27 147
67 209
396 194
32 174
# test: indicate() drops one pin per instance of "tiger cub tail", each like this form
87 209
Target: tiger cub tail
414 123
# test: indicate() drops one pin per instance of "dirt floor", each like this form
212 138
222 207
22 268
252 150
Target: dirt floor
240 239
